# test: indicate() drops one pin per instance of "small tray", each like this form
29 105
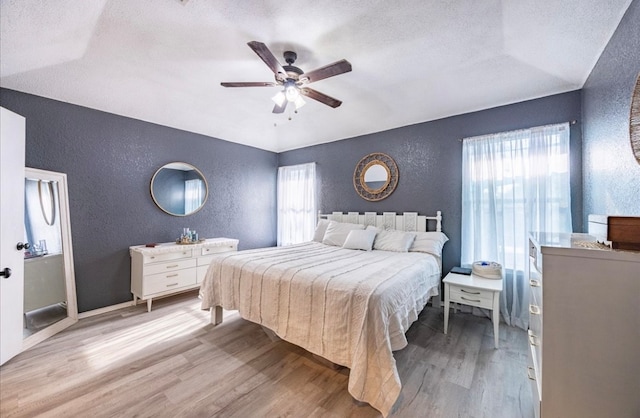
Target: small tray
200 241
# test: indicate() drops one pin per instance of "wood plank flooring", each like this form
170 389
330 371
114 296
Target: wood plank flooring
172 363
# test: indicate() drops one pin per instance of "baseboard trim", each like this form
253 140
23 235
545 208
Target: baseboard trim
106 309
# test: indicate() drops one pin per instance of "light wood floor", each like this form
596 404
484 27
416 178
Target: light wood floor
172 363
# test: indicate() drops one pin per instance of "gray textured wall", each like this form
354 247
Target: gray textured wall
109 161
611 174
429 158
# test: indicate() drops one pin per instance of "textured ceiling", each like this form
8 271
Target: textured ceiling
162 61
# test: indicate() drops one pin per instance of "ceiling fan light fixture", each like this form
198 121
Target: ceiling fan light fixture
292 79
279 98
299 102
291 91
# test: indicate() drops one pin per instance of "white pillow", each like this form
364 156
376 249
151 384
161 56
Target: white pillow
337 232
429 242
360 240
397 241
321 228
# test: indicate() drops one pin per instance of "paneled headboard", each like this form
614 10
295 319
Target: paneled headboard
408 221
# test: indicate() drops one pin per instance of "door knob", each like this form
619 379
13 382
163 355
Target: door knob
6 273
20 246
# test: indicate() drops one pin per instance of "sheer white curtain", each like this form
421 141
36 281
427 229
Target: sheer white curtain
296 203
514 183
193 195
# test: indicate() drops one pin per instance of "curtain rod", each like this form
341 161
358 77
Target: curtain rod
571 122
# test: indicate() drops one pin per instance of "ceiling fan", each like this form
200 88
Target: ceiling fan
293 79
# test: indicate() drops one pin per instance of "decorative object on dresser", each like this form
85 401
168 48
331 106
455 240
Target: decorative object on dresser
473 290
376 176
620 232
584 328
172 268
338 297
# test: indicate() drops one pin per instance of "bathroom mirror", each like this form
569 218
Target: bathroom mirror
179 189
634 121
49 280
375 176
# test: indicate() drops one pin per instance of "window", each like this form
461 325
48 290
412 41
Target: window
296 203
513 183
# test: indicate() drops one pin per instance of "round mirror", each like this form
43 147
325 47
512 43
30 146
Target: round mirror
179 189
375 177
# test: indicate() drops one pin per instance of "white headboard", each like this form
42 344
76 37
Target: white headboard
408 221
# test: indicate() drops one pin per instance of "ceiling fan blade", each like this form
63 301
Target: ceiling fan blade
280 109
268 58
248 84
321 97
338 67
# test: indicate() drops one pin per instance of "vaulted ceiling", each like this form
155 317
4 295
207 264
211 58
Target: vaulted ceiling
162 61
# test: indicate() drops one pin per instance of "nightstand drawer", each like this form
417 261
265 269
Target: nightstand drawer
471 296
170 266
157 283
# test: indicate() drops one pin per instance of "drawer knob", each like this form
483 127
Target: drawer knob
172 266
172 275
471 293
534 309
172 284
470 300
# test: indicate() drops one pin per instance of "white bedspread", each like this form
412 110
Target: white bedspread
351 307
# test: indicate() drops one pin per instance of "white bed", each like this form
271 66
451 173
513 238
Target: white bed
350 307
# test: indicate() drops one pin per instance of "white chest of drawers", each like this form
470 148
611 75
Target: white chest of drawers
584 331
171 268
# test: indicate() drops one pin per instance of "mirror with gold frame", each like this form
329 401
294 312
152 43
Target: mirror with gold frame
179 189
375 177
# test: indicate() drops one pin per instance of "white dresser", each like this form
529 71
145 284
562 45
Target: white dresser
171 268
584 330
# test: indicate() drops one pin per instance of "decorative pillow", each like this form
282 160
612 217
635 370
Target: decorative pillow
397 241
429 242
360 240
321 228
337 232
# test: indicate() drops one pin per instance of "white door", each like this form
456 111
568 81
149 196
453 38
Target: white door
12 142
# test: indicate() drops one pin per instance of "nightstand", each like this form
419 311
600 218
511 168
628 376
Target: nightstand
476 291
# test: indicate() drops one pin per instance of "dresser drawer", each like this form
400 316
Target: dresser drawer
170 266
205 261
533 374
217 249
202 271
156 258
534 273
157 283
471 296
